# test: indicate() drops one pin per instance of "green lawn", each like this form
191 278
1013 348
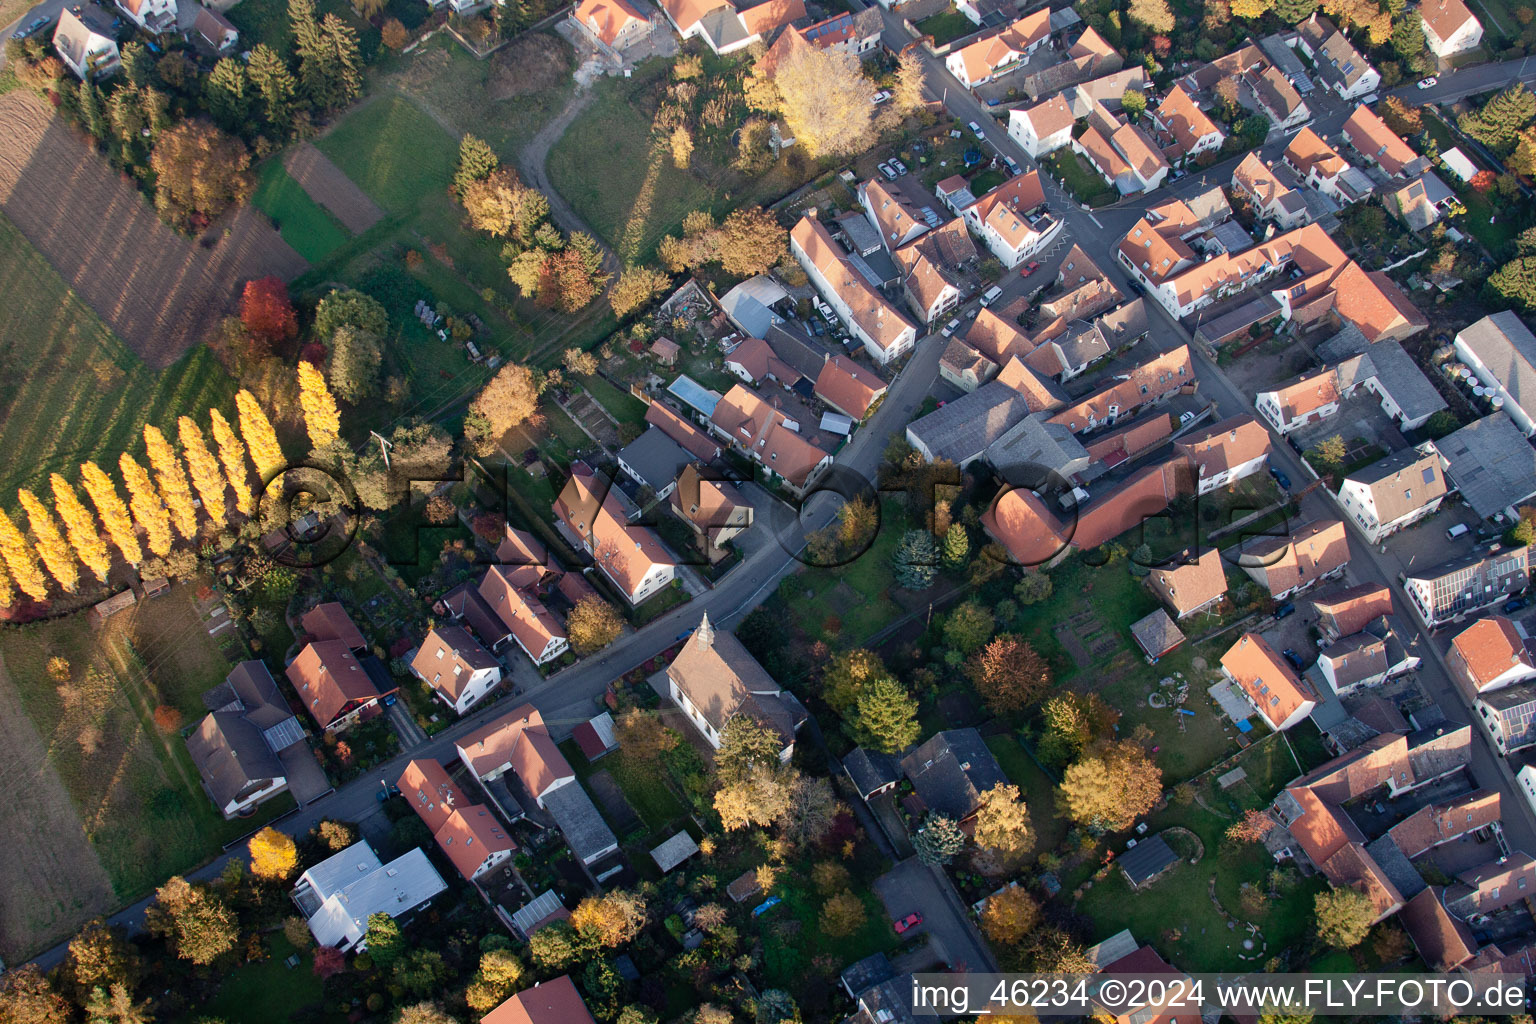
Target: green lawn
1038 789
623 406
393 151
134 788
303 223
788 953
857 594
74 391
632 209
946 26
268 990
1081 180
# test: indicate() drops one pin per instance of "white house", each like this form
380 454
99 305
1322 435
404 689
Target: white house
713 679
459 670
1184 129
985 59
86 43
1274 689
884 332
1449 27
1043 128
153 16
1013 220
631 556
1307 400
1355 662
1526 777
1226 452
217 32
1121 152
339 894
1490 654
891 213
1394 493
1501 351
1336 62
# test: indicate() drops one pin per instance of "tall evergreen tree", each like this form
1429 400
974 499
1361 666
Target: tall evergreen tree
148 510
886 717
346 60
114 514
172 481
273 90
93 117
21 560
915 560
957 547
50 544
80 525
229 93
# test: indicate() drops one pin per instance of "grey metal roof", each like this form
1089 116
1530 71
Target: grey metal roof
1504 345
1034 442
1232 236
1285 59
394 889
526 917
748 304
963 429
585 831
1491 463
862 236
1146 860
655 458
1394 371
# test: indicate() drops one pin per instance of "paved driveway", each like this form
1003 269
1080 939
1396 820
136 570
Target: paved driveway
913 885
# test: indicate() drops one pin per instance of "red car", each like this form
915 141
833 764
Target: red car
910 921
1033 266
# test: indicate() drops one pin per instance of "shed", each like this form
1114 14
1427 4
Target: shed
155 586
744 886
1145 861
836 423
1157 634
1457 163
103 610
543 909
595 737
674 851
665 350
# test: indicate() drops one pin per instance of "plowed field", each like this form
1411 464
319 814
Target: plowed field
159 291
330 188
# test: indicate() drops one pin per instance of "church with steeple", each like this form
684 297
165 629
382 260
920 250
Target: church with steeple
713 679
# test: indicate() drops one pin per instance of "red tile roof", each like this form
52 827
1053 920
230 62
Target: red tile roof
1267 679
1226 445
552 1002
330 680
330 621
1370 135
1489 648
848 387
1353 609
689 437
608 18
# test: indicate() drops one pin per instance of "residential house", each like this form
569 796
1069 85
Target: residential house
215 31
1422 201
1491 887
1288 565
335 687
1501 352
770 438
1346 612
754 361
1320 166
1034 535
713 509
713 679
236 746
1355 662
1450 28
1380 145
1491 464
153 16
339 894
330 621
1281 697
1190 583
1013 220
1226 452
653 460
468 834
1443 942
1453 590
894 212
949 771
1491 654
1184 131
1042 128
1385 371
549 1002
1124 394
880 994
614 25
1089 57
1509 715
726 26
1272 192
849 388
979 62
456 667
1123 154
1440 823
970 361
520 742
1395 493
631 556
1336 62
87 43
933 270
884 332
1276 98
695 441
1309 399
517 614
856 33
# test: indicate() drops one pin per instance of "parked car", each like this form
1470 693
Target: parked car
888 171
1033 266
882 96
897 166
1459 530
1280 478
911 921
949 328
975 129
1294 658
1013 165
1514 604
31 27
1284 611
1429 83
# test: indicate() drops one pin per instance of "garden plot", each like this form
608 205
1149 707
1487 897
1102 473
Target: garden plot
332 189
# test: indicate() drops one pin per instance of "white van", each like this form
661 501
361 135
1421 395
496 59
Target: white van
1459 530
990 296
